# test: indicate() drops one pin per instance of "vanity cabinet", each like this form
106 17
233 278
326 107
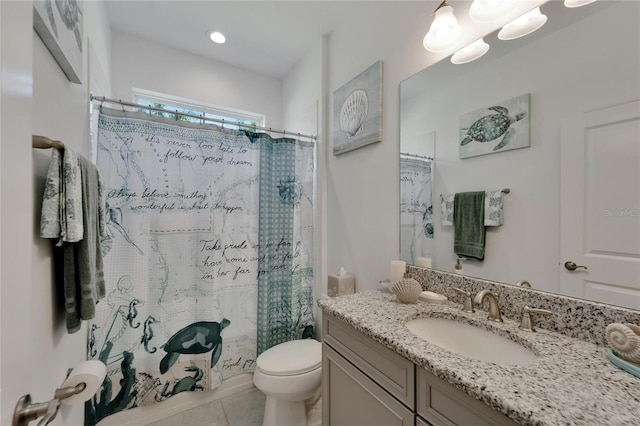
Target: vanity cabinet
365 383
442 404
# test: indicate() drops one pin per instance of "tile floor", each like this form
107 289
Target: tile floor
242 409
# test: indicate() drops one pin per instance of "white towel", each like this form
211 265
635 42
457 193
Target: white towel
71 216
625 340
62 200
493 209
50 219
493 212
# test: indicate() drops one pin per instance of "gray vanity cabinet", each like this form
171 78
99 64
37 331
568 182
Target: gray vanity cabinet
365 383
442 404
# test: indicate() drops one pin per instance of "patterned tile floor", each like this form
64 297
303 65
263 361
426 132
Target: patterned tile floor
242 409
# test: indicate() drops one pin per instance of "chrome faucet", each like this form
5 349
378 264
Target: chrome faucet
494 307
467 305
527 323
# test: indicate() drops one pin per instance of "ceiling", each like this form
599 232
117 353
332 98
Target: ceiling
268 37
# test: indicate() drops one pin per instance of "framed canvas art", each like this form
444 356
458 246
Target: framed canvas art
500 127
357 111
59 25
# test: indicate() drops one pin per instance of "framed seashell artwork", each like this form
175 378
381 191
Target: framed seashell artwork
357 111
59 25
499 127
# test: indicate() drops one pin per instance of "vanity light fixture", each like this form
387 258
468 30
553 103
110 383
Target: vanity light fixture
525 24
577 3
444 31
471 52
483 11
216 36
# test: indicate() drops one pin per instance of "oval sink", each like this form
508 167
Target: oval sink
472 342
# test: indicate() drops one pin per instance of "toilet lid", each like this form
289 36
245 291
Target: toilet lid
290 358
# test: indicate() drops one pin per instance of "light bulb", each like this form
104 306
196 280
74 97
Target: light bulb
483 11
470 53
525 24
216 36
444 31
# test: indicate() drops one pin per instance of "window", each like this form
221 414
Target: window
231 117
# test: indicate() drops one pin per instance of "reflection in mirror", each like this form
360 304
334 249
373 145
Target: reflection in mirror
416 205
575 191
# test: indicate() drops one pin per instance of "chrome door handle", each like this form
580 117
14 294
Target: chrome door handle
570 265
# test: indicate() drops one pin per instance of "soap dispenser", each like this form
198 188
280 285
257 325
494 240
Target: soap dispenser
457 269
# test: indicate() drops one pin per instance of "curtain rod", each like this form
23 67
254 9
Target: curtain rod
102 99
423 157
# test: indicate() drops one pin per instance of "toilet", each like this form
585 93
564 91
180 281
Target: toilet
289 374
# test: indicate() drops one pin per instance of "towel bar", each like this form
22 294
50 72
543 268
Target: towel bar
43 142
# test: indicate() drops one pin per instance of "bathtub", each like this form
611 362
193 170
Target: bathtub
183 401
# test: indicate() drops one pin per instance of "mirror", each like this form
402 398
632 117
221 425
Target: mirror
581 60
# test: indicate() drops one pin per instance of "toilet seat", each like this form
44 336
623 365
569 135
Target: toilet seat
291 358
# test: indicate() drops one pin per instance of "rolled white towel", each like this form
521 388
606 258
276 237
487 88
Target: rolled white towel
625 340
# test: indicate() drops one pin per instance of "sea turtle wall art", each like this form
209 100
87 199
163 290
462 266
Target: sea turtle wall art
499 127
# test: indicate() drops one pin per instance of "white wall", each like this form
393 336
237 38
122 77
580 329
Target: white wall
363 185
568 72
146 65
38 349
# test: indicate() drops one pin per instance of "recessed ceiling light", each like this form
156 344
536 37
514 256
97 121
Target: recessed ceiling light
216 36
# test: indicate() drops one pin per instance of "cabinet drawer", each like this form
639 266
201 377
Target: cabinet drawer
442 404
391 371
352 399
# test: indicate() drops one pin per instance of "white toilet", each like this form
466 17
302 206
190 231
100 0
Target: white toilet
289 374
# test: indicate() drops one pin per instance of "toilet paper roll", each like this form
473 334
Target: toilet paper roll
92 374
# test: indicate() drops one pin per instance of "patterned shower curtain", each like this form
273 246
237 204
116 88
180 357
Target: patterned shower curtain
416 208
208 255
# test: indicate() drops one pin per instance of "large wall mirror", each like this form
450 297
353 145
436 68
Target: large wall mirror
574 191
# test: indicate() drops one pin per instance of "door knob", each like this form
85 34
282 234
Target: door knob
570 265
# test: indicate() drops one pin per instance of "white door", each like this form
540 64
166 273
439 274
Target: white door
600 205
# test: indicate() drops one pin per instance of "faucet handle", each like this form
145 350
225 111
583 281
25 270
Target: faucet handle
467 305
527 323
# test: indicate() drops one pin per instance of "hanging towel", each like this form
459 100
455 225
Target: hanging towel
493 208
82 266
61 216
493 211
446 209
468 220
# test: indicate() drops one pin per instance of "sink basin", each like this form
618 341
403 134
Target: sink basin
470 341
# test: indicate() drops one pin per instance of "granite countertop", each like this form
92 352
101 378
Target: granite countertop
571 383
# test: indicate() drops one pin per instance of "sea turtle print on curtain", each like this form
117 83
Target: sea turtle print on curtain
208 255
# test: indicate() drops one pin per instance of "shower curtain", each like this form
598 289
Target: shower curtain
416 208
208 255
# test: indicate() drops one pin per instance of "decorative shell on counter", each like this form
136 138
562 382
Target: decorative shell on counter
353 113
407 290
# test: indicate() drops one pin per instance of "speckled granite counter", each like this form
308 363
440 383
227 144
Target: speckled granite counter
571 383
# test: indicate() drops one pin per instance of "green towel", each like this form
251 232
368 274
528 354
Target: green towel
82 265
468 219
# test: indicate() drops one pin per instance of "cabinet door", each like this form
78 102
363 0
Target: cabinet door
352 399
391 371
422 422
